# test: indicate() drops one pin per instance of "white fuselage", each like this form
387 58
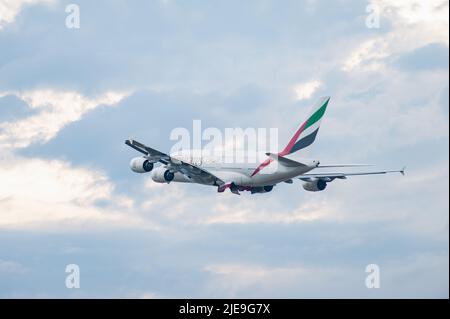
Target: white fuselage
241 171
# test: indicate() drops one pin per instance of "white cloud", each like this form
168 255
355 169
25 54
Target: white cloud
232 280
304 91
368 56
414 24
431 15
9 9
39 194
225 209
228 211
7 266
54 110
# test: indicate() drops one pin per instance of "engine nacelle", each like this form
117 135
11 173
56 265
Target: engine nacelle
141 165
163 175
316 185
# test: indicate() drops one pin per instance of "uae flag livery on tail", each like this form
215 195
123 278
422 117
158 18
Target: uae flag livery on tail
307 132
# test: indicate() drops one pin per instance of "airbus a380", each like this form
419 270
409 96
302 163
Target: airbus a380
260 177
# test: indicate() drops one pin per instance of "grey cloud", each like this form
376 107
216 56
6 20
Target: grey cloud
176 266
144 44
428 58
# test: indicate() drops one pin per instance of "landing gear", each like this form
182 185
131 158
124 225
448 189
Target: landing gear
236 188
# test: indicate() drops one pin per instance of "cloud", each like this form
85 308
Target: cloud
399 277
431 57
234 280
430 16
9 9
67 182
53 110
414 24
224 209
380 113
344 202
368 56
251 213
39 194
304 91
7 266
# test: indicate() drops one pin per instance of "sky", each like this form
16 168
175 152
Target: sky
69 97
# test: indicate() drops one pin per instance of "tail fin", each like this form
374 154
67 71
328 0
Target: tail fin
307 132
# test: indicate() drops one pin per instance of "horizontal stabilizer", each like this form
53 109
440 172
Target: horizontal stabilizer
343 165
285 161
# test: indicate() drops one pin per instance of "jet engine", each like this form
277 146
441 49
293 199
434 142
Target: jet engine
315 185
163 175
141 165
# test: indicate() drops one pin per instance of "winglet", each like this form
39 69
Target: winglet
402 171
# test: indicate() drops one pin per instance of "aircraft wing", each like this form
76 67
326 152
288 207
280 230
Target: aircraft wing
193 172
331 176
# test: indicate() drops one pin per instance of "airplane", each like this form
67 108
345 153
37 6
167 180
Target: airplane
256 177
